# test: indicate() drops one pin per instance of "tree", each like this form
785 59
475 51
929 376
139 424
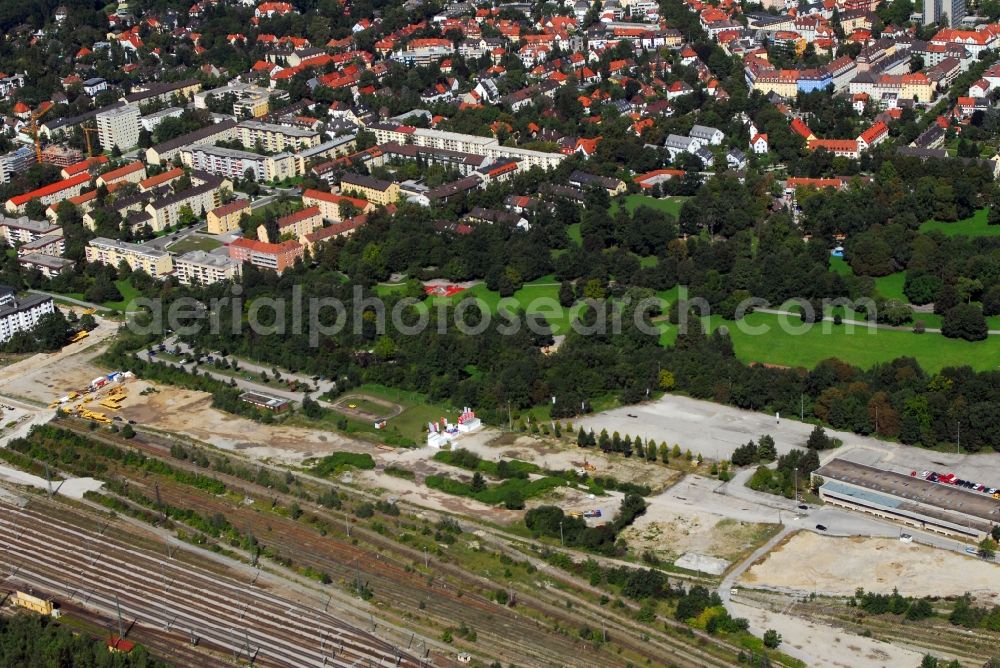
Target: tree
128 431
988 548
772 639
965 321
566 294
478 483
765 448
818 440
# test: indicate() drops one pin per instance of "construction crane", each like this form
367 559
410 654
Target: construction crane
86 135
33 122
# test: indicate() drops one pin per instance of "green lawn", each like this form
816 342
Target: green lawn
839 266
891 286
128 294
574 233
193 243
418 410
671 205
862 347
974 227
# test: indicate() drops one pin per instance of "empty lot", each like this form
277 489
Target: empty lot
837 566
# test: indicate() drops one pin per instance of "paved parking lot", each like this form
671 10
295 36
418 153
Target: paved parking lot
715 431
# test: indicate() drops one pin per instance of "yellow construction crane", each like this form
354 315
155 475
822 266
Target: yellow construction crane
33 123
86 135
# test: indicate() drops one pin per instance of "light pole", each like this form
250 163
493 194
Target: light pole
958 446
561 541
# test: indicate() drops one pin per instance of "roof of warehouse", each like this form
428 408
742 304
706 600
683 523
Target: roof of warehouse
913 489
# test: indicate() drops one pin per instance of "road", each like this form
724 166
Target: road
323 386
72 300
865 323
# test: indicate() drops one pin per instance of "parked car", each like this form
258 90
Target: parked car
821 527
803 506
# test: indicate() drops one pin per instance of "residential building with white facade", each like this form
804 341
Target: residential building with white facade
119 127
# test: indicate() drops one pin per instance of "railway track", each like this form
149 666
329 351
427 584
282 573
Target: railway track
404 589
99 572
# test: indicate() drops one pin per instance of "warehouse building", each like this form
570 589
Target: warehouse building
937 507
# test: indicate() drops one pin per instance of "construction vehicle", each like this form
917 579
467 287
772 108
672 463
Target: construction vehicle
79 336
90 311
33 126
96 417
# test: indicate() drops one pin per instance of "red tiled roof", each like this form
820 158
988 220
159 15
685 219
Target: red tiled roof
84 165
153 181
232 207
51 189
335 199
122 171
264 247
298 216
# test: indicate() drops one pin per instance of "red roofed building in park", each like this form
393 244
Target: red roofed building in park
265 255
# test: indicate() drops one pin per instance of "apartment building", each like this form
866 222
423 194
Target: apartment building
134 172
23 230
300 223
462 143
165 152
249 101
233 163
119 127
369 188
21 315
266 255
337 147
200 198
152 121
201 268
113 252
226 218
50 194
160 179
275 138
329 204
48 266
52 244
15 162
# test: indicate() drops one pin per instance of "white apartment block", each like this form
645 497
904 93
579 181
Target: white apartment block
119 127
201 268
463 143
113 252
21 315
233 164
275 138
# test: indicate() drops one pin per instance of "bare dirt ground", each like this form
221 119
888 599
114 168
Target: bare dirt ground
191 414
549 454
837 566
828 646
48 376
671 535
